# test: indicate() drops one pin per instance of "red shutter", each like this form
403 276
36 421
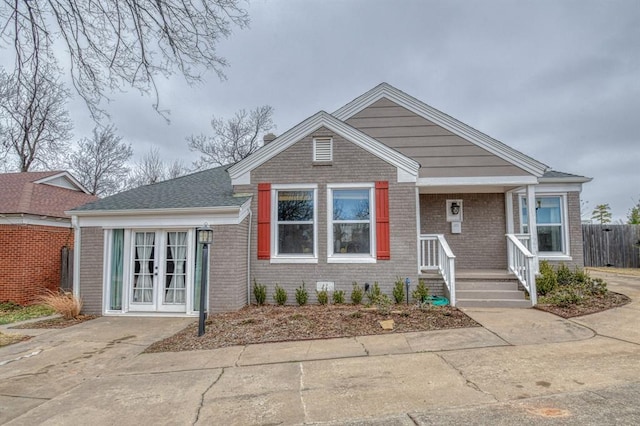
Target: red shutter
264 221
382 221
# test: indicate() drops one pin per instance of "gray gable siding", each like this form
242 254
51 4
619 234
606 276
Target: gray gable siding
350 164
439 152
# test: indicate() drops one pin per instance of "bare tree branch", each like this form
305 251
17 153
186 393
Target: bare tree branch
151 169
233 139
34 123
100 163
111 44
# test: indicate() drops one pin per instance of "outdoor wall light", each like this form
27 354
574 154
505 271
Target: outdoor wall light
455 208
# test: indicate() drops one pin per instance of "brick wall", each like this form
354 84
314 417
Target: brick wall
350 164
30 260
228 267
481 244
91 268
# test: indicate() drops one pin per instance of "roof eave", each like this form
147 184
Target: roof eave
147 212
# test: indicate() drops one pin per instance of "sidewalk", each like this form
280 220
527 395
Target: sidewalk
519 360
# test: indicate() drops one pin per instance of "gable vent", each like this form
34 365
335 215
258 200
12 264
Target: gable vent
323 149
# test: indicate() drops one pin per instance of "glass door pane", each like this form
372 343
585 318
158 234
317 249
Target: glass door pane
144 267
175 276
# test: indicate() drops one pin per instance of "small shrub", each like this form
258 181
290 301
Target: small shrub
596 287
280 295
338 297
564 297
374 292
421 292
323 296
356 294
302 296
383 303
564 276
547 282
398 290
66 304
580 276
259 292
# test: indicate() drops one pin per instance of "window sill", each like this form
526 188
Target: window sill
282 259
354 259
321 163
560 257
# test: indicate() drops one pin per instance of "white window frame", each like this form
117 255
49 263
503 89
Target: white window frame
293 258
564 255
315 150
333 257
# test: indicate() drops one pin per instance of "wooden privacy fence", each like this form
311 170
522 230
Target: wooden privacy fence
611 245
66 269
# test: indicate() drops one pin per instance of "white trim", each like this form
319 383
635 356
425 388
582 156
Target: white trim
457 127
316 121
295 258
66 175
165 218
418 229
21 219
551 188
567 179
159 211
566 245
77 234
508 205
478 180
333 257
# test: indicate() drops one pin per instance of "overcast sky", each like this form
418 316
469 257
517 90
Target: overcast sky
557 80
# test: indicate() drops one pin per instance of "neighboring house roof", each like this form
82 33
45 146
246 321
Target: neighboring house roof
316 121
41 193
553 176
205 189
385 90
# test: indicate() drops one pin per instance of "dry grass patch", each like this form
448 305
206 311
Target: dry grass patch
66 304
8 339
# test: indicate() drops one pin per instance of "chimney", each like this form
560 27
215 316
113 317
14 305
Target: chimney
268 138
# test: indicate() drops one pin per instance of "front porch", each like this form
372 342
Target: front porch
468 241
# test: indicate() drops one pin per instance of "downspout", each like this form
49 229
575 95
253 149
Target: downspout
249 259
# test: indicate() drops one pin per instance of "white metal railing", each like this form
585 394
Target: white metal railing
522 264
436 255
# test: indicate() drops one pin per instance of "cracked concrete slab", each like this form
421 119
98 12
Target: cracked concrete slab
181 361
525 371
382 386
528 326
140 399
301 350
576 408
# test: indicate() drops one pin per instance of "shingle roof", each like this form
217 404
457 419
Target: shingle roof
556 175
20 195
208 188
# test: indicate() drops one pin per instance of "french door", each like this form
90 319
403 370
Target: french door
159 275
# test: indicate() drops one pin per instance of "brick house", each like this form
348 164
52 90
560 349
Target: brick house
34 229
384 187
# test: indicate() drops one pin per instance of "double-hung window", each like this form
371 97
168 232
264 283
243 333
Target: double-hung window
295 234
551 224
351 223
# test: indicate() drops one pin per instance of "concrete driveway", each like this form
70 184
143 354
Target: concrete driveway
522 366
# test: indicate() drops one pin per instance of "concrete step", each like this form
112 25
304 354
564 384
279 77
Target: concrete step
490 294
492 303
486 285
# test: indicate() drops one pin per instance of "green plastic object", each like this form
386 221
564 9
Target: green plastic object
437 300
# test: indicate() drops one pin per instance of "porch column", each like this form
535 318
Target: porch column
533 225
508 204
418 228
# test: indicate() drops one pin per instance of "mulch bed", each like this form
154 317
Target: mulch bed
56 322
262 324
587 306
